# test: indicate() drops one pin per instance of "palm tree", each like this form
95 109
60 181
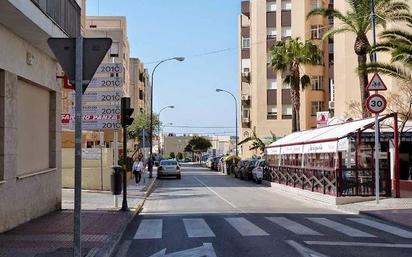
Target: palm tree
398 43
357 21
288 56
257 143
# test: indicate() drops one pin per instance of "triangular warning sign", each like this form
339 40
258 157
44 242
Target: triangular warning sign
376 84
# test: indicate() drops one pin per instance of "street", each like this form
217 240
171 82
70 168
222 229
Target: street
210 214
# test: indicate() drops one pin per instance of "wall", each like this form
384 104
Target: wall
30 178
91 172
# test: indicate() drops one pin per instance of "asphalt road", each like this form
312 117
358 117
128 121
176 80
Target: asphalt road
208 214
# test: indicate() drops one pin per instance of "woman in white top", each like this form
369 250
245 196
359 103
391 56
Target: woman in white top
138 167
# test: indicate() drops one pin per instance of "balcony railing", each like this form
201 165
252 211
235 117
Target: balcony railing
64 13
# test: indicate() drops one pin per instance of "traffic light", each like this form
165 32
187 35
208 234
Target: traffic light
126 112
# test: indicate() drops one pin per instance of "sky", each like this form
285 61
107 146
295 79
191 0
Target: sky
203 31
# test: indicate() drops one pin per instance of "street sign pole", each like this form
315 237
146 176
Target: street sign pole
78 148
377 144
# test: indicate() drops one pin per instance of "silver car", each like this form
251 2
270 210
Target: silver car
257 172
169 168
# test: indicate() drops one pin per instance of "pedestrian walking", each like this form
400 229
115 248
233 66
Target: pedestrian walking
138 167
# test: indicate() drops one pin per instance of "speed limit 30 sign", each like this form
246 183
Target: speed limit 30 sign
376 103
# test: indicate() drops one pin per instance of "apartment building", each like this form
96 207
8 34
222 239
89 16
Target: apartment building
139 86
30 131
266 105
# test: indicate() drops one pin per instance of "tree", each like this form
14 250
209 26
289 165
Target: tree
398 43
257 143
179 156
357 20
142 121
172 155
198 145
288 56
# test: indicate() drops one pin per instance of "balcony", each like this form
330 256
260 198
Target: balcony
246 100
246 77
64 13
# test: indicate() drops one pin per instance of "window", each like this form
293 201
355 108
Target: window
287 111
316 32
245 65
272 84
246 113
271 32
317 83
141 95
245 42
316 4
286 5
272 112
271 6
114 50
286 32
317 106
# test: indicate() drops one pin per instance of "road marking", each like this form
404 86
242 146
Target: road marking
197 228
293 226
245 227
304 251
221 197
206 250
149 229
386 228
341 228
359 244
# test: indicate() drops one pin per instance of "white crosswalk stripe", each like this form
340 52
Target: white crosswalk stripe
245 227
349 231
149 229
383 227
197 228
293 226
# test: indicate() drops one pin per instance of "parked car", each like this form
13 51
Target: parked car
247 169
209 162
169 168
257 172
215 163
239 167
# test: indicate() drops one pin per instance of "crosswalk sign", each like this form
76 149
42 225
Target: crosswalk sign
376 84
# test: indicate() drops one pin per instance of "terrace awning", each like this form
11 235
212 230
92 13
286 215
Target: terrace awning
321 140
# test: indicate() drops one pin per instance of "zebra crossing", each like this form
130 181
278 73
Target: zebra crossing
152 228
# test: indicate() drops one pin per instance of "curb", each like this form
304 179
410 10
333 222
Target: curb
375 216
137 209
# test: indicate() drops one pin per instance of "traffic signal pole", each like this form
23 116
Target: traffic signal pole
127 120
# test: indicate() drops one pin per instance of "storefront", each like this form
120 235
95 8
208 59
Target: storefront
338 160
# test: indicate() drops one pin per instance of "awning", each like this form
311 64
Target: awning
321 140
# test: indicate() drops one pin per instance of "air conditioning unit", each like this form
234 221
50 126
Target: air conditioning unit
331 105
245 97
245 120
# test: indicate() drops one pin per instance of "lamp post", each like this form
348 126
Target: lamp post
222 90
180 59
158 125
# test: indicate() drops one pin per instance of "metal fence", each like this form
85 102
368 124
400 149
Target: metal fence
65 13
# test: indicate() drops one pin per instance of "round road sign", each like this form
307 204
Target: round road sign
376 103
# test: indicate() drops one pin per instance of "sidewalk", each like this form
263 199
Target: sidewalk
395 210
102 226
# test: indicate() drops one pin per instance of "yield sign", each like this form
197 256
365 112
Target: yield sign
376 84
94 51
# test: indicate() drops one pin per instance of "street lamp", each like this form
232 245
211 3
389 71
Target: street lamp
158 129
180 59
222 90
